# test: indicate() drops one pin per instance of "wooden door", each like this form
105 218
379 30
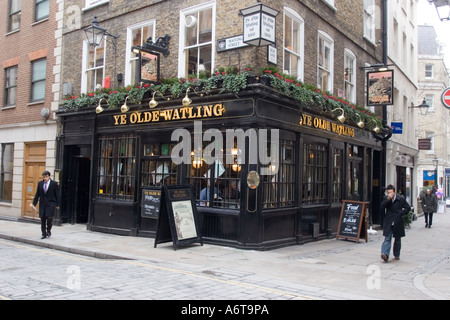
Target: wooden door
34 165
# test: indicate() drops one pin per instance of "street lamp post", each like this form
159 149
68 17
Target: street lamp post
436 163
423 107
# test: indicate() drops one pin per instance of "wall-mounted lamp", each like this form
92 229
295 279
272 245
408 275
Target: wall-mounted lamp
95 34
360 122
153 103
99 108
341 118
442 8
423 107
124 108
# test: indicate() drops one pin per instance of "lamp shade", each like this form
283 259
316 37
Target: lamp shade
259 25
94 33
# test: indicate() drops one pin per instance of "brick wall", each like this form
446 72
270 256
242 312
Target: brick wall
34 40
344 24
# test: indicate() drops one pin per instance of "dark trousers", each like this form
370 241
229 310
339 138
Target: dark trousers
430 220
46 225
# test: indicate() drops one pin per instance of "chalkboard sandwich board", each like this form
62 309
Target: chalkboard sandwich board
178 220
151 202
352 223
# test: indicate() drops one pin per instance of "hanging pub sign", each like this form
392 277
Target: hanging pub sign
380 88
259 25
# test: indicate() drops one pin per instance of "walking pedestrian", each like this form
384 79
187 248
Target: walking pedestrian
396 207
429 206
47 194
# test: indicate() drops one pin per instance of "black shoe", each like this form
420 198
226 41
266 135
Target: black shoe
49 234
426 225
429 226
43 237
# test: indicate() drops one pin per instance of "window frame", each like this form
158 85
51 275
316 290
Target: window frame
85 69
130 55
300 54
36 4
349 55
328 42
8 88
182 66
33 81
369 18
427 65
11 15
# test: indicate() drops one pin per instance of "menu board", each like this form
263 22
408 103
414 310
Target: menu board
351 220
151 203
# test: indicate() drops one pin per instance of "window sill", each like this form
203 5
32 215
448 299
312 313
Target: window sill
39 21
12 32
8 107
33 103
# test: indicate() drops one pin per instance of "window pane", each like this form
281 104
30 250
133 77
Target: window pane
205 26
38 70
288 33
42 9
38 91
191 29
205 59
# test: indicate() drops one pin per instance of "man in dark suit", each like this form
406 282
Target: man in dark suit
396 208
47 194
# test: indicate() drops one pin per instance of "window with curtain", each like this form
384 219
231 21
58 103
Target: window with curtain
197 46
38 72
293 34
10 86
42 9
15 11
6 172
116 167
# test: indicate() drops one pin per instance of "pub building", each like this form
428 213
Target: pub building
318 155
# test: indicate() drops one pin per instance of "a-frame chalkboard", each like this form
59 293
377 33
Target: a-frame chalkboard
352 222
177 220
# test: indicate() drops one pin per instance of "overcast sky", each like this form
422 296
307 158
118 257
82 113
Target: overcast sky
427 15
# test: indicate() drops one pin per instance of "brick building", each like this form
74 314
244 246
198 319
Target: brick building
31 61
320 51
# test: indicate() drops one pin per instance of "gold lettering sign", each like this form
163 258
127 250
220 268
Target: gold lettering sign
326 125
183 113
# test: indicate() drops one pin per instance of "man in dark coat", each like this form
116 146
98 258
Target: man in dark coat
47 194
396 208
429 206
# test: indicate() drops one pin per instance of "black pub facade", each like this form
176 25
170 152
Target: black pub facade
281 184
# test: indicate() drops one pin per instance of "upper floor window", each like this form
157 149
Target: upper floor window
15 11
42 10
350 76
293 44
92 3
369 19
429 71
6 171
325 62
38 72
136 36
10 86
93 68
197 27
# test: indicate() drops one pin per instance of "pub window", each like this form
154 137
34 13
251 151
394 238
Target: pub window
158 169
136 36
196 40
293 44
10 86
38 71
325 62
116 167
350 76
217 185
15 11
93 67
6 172
279 188
41 10
314 183
336 194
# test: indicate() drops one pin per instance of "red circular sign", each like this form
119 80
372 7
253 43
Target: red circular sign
446 98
